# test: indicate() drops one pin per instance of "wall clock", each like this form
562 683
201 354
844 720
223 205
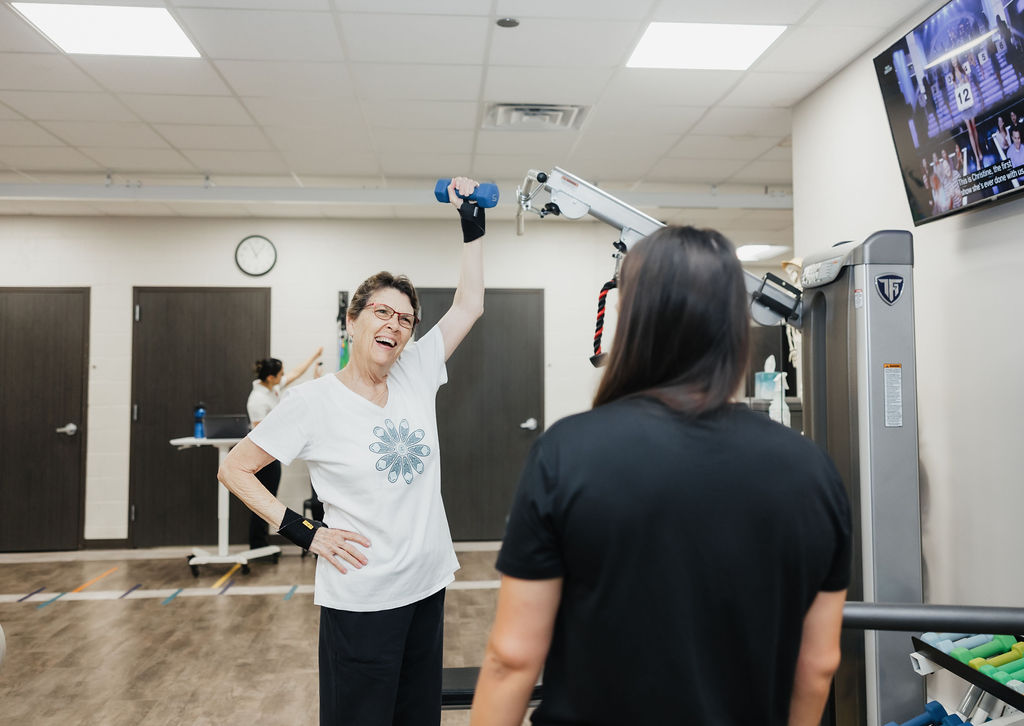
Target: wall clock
255 255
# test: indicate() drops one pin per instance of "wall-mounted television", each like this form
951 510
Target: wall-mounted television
953 89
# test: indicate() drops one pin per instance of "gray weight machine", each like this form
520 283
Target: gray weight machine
858 369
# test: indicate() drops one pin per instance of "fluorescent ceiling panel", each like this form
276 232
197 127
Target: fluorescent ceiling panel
757 253
703 46
109 30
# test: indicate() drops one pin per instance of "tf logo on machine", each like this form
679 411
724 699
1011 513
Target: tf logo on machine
890 287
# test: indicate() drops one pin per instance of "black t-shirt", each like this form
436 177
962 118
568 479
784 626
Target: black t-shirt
690 549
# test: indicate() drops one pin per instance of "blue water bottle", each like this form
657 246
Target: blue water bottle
199 417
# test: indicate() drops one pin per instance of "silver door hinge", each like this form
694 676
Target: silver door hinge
131 513
135 412
138 313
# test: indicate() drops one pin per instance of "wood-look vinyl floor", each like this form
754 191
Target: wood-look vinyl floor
220 660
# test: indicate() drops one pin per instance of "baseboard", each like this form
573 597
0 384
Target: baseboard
105 544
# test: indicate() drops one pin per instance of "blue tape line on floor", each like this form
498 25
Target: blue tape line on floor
52 599
172 596
291 592
130 591
230 583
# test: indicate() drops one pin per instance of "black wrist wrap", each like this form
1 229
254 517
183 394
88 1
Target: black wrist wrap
472 221
297 529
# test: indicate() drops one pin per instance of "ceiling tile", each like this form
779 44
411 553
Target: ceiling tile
558 43
185 76
262 35
336 141
604 9
26 133
736 121
624 143
435 39
41 72
8 113
783 151
141 161
545 143
106 134
237 162
633 87
200 110
393 114
305 112
418 141
577 86
432 166
694 146
315 162
765 172
755 12
601 169
57 209
438 7
773 89
18 36
64 106
255 4
829 48
651 119
882 14
509 166
416 82
773 220
708 171
287 79
46 158
189 136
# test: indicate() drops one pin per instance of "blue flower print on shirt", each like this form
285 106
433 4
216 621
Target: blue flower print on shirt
400 450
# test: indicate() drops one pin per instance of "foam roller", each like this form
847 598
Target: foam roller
485 195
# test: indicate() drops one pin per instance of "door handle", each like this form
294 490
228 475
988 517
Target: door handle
529 424
70 429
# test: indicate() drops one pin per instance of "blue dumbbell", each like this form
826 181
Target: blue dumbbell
485 195
933 638
947 646
954 720
933 714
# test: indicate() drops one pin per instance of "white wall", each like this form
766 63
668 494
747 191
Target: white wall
316 259
969 349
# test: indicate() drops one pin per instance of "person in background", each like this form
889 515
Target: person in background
1016 152
670 529
369 436
265 395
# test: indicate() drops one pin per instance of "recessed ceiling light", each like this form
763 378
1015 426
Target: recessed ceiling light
703 46
508 23
109 30
759 253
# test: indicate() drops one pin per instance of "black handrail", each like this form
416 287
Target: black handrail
913 618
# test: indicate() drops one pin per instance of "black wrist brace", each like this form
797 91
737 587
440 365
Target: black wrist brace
472 221
297 529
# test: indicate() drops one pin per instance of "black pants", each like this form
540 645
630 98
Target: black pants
270 477
382 668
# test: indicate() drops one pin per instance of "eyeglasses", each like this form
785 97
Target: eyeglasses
386 312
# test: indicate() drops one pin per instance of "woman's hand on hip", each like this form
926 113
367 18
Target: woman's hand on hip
338 546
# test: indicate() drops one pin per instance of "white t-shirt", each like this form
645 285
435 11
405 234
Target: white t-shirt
262 400
378 472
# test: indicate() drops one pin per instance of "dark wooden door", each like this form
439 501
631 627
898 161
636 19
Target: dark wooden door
495 383
44 354
189 345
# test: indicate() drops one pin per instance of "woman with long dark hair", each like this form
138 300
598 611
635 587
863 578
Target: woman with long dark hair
267 387
671 556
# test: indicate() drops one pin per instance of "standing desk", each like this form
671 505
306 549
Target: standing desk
201 556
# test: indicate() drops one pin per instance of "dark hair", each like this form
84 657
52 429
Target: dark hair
380 281
267 367
683 333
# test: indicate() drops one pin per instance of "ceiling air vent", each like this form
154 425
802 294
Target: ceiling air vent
534 116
